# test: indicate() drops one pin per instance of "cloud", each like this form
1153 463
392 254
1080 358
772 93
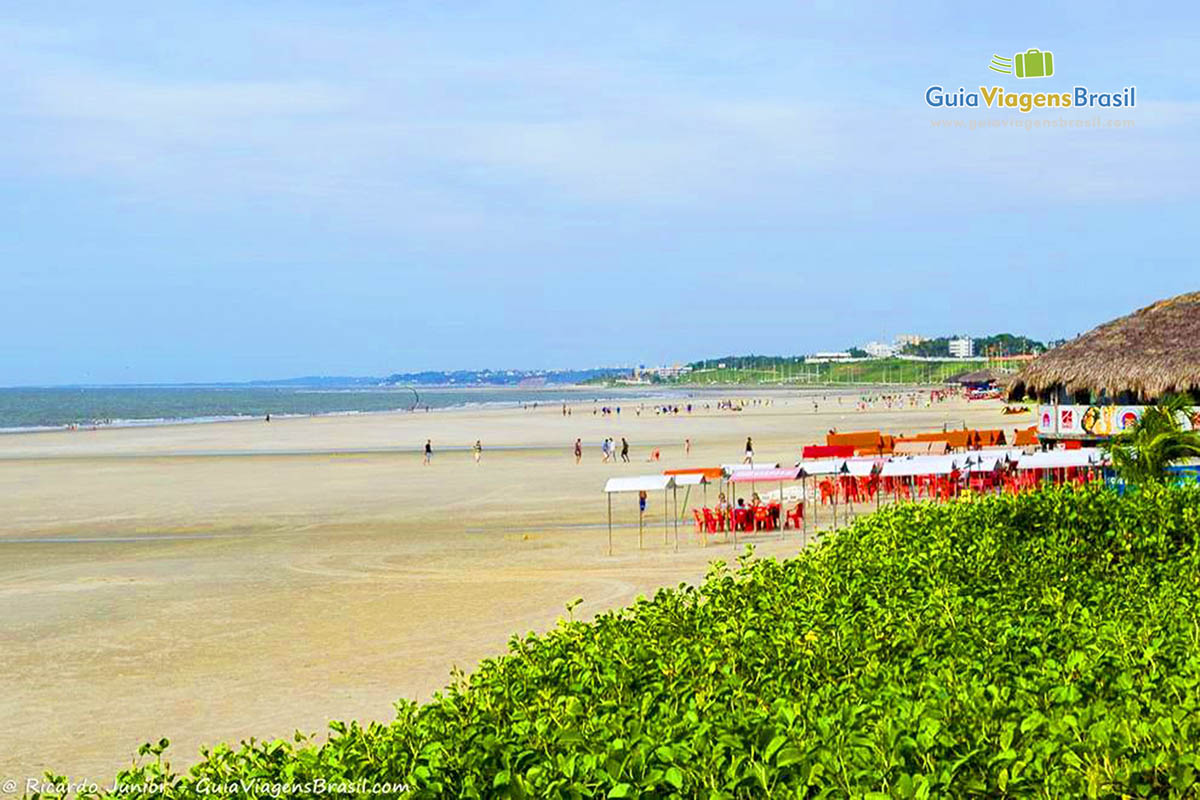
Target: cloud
408 136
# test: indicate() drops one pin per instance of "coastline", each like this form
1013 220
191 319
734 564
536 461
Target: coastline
652 393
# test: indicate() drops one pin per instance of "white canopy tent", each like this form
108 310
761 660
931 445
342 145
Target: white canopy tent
822 466
986 462
861 467
689 480
641 483
909 466
1062 459
732 468
815 468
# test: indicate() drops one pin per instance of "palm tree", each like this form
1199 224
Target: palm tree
1142 452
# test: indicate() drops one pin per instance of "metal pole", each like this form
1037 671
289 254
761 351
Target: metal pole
836 491
804 518
675 491
666 529
782 511
610 552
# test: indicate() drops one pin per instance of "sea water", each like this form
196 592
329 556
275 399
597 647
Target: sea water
23 409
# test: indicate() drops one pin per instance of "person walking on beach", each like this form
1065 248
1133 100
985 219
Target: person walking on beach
624 450
428 451
477 450
578 450
687 447
749 459
604 448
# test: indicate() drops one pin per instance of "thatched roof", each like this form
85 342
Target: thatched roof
1151 352
982 376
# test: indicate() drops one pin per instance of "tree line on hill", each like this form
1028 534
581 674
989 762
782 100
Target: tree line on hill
999 345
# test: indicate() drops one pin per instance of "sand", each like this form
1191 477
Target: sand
208 583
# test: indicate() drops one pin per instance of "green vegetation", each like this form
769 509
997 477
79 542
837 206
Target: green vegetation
1043 645
784 371
1141 453
1002 344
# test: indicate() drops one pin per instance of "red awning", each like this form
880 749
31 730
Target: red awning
828 451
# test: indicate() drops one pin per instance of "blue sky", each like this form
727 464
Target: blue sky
232 191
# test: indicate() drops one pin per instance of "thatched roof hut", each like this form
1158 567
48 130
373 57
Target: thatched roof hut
981 377
1148 354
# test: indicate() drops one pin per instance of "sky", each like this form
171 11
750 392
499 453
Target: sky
231 191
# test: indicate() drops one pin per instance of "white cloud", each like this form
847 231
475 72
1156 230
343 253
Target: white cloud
450 144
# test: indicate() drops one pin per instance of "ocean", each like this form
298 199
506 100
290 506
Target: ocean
24 409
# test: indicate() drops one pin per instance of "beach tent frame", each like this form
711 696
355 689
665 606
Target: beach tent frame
641 483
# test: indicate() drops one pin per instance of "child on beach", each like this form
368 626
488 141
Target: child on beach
578 450
749 459
477 450
428 451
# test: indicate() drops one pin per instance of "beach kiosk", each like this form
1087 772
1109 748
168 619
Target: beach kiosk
641 483
1098 384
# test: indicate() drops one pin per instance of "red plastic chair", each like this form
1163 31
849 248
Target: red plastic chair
763 521
700 523
795 516
712 522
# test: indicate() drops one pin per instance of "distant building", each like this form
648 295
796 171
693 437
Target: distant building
880 350
962 347
817 358
675 371
906 339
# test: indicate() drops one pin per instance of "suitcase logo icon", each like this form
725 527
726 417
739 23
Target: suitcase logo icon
1033 63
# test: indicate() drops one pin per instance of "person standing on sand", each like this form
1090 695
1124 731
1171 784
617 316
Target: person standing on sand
624 450
604 451
749 459
578 450
428 451
477 450
687 447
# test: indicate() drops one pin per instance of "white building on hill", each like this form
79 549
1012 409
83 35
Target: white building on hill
962 347
880 350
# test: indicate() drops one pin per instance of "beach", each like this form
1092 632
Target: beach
212 582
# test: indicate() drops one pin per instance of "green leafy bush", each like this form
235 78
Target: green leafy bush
1045 645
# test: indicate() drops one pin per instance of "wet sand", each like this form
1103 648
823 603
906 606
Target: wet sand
208 583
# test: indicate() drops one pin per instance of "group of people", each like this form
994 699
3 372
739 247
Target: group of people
608 449
739 510
476 452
